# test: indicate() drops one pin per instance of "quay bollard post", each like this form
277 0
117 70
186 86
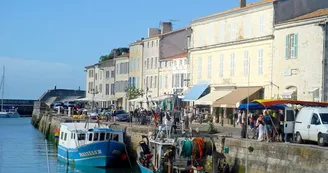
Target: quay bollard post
69 111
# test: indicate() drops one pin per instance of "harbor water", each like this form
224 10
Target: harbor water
23 149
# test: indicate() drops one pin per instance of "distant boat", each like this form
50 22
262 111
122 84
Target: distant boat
11 113
90 145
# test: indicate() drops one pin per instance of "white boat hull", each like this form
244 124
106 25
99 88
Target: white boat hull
9 115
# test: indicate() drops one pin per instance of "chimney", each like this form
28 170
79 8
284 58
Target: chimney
166 27
242 3
153 31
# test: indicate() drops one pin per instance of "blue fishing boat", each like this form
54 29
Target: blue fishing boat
91 145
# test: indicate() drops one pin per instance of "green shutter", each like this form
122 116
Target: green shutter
287 47
295 45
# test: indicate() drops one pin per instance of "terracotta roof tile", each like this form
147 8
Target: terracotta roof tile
236 9
182 55
318 13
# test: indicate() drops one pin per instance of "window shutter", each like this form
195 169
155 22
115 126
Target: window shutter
295 45
287 47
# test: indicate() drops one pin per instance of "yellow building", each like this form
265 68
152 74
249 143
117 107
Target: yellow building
232 50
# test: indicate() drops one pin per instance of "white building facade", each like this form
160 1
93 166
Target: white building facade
300 57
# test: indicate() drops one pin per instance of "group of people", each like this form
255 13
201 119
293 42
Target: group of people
265 126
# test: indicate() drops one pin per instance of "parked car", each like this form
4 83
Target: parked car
312 125
69 104
56 105
121 115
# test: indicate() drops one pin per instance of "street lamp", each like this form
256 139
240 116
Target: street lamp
93 92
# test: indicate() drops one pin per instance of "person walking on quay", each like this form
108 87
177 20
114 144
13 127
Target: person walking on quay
243 124
260 126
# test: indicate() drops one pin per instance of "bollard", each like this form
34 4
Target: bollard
69 111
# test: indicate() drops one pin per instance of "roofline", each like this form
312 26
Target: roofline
228 12
168 33
300 22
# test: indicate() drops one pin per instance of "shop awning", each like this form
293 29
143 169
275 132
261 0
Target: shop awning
210 98
287 94
232 99
160 98
195 92
138 100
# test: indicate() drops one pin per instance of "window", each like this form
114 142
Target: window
151 82
291 46
232 64
152 43
115 137
166 79
246 69
221 65
95 136
155 62
260 62
90 136
182 80
90 73
315 119
188 42
160 81
65 137
210 33
147 63
246 27
157 43
209 67
165 63
102 136
233 31
81 136
100 76
112 73
180 62
199 67
155 85
147 79
261 24
100 88
107 74
112 89
148 44
151 63
62 135
96 88
108 136
107 89
96 76
222 31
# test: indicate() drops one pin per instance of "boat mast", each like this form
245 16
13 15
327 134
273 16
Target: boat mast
3 87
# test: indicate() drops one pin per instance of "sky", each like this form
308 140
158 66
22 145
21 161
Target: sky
44 44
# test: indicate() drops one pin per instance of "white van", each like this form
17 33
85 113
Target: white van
311 124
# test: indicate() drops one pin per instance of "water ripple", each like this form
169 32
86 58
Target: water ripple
23 150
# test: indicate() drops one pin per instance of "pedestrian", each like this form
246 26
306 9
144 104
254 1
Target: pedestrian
243 124
260 125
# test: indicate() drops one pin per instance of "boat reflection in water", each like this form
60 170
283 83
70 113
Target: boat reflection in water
64 168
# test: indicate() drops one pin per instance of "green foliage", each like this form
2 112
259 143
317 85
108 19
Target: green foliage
133 92
119 52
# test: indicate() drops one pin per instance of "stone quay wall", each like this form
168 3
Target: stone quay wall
262 157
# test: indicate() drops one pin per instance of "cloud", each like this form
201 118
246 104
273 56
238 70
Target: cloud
30 78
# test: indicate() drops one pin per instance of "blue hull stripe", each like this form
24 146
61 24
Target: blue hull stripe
144 169
101 154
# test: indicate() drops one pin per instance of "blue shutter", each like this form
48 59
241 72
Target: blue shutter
287 47
295 45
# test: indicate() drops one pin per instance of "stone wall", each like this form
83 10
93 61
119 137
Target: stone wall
262 156
273 157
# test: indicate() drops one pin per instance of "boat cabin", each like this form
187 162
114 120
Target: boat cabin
73 136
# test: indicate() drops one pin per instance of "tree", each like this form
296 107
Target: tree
119 52
133 92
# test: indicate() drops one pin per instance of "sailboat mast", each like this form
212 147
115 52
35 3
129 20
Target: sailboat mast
3 87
